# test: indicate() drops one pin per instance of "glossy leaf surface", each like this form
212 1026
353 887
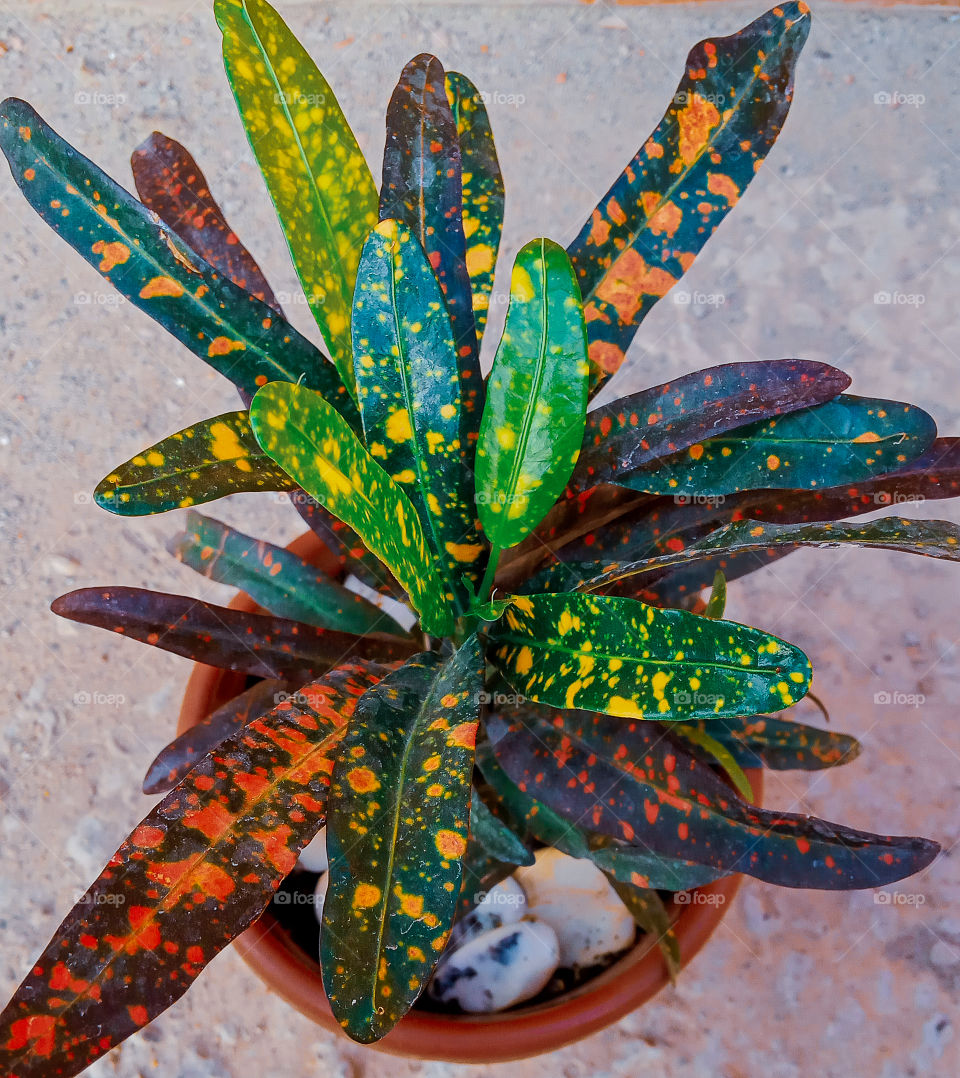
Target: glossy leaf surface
182 754
494 837
422 186
410 390
203 462
932 538
628 780
313 444
151 266
398 827
639 429
256 644
647 229
196 872
170 183
625 658
846 440
317 177
536 404
483 194
274 578
781 745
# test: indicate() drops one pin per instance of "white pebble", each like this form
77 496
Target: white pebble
504 904
313 856
498 968
574 897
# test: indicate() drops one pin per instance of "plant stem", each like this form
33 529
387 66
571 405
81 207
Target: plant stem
484 591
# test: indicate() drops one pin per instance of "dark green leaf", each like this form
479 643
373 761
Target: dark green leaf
483 195
410 390
589 768
536 404
314 445
648 228
152 267
257 644
397 831
628 659
494 837
781 745
652 916
718 597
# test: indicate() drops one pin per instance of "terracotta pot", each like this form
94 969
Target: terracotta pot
516 1034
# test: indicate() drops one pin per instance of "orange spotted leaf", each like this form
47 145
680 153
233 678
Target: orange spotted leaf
396 835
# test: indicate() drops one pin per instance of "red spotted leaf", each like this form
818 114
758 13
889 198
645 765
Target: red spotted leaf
631 780
198 870
782 745
170 183
256 644
636 430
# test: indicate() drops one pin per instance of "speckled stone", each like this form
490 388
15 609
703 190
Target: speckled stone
856 199
504 904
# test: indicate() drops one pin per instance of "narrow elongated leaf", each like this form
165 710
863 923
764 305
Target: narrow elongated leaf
932 538
625 658
781 745
317 177
648 910
847 440
196 872
647 229
422 186
279 581
715 752
633 865
404 770
494 837
536 405
410 390
629 780
257 644
933 475
203 462
483 193
637 430
170 183
314 445
151 266
718 597
182 754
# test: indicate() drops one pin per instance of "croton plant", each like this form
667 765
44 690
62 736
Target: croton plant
564 683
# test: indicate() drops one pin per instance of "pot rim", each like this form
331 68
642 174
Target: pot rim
526 1031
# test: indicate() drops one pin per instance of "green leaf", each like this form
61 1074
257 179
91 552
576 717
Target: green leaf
313 444
422 187
652 916
618 656
225 326
589 767
410 390
397 830
203 462
647 229
781 745
632 865
846 440
932 538
279 581
483 194
718 597
534 417
697 735
317 177
494 837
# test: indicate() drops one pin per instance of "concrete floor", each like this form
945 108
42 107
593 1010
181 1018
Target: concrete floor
857 198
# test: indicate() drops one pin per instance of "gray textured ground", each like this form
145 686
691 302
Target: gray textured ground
858 198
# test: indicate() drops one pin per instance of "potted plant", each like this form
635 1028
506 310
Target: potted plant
559 685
